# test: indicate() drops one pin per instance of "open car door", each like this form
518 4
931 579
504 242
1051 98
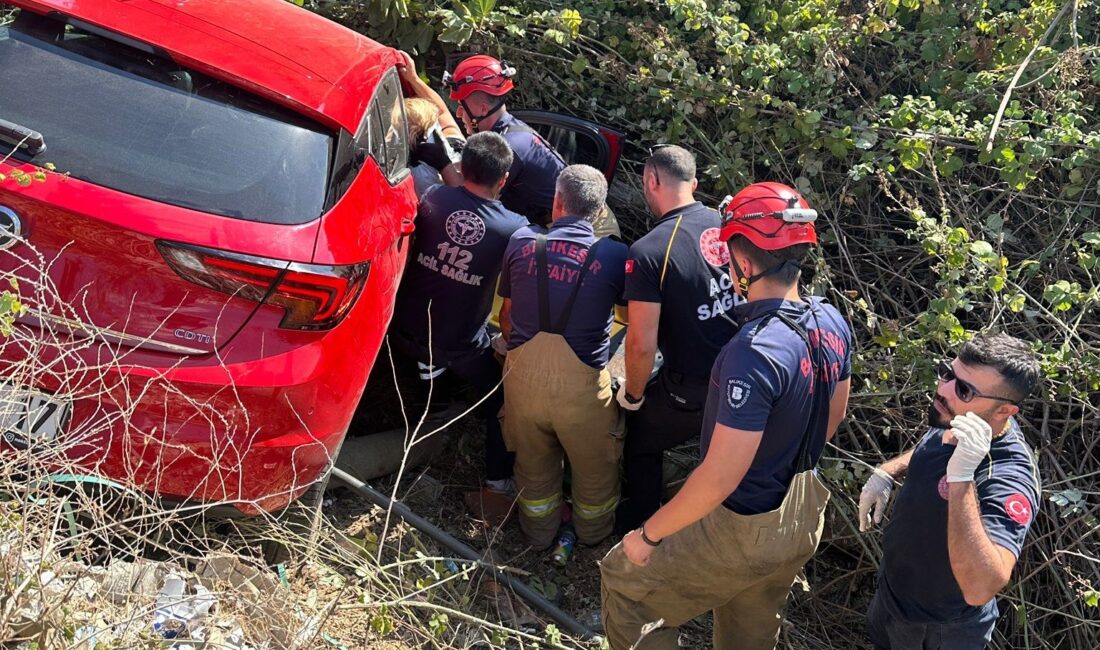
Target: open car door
578 141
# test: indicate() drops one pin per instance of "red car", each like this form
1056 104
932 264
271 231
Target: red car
223 240
232 228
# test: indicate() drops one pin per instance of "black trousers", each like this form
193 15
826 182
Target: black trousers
671 414
481 372
889 631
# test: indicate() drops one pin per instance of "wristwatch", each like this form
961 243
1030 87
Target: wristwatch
646 539
630 398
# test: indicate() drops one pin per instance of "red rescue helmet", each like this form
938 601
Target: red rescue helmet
771 215
480 73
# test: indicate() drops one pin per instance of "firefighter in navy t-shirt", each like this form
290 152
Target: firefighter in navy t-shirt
447 292
480 84
559 288
737 533
970 494
679 298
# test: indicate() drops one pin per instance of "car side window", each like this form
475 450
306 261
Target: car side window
389 133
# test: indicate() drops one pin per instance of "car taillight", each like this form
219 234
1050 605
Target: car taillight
315 296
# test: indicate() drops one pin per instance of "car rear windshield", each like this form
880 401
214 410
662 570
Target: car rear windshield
120 115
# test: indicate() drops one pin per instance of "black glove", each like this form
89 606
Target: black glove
439 152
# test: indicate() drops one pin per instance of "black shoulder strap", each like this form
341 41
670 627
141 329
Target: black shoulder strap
544 282
523 127
819 398
567 310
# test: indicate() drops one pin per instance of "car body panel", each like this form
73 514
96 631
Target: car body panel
174 387
271 47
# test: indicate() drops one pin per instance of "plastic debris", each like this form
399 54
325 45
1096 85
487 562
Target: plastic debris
180 615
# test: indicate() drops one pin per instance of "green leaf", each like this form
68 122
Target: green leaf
1092 598
579 65
457 34
1062 295
910 159
1091 238
1017 303
571 19
981 248
866 139
811 117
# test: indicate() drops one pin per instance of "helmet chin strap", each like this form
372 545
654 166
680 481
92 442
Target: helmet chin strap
478 119
746 282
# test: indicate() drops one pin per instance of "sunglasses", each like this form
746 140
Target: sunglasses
964 390
652 150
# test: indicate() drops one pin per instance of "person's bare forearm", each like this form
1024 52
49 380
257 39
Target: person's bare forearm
727 460
452 175
418 88
703 491
897 467
976 562
641 350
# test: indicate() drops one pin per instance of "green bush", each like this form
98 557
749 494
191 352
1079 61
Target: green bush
953 149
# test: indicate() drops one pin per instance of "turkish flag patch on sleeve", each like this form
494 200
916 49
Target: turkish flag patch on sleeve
630 266
1018 508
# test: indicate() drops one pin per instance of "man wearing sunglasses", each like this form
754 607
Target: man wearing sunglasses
970 494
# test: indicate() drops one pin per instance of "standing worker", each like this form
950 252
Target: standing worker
480 84
679 297
444 301
736 535
560 288
970 494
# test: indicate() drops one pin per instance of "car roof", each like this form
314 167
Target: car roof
271 47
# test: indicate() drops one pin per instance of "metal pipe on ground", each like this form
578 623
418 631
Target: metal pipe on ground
572 625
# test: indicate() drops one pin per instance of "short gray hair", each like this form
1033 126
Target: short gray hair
583 191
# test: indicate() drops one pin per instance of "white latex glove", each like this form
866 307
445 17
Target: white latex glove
620 397
973 436
873 499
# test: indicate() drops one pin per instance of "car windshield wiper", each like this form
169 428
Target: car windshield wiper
22 137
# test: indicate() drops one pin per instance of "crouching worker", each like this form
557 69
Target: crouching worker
444 301
560 288
738 532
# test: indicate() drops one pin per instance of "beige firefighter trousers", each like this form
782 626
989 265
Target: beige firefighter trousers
740 567
556 406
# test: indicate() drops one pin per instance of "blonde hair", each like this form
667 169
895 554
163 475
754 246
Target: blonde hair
421 114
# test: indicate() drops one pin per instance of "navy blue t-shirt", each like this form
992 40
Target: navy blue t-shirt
453 266
683 264
916 575
569 239
762 381
534 172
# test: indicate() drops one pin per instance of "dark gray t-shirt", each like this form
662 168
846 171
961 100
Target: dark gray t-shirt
683 264
916 572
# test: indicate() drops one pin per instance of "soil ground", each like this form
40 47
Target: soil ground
829 616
